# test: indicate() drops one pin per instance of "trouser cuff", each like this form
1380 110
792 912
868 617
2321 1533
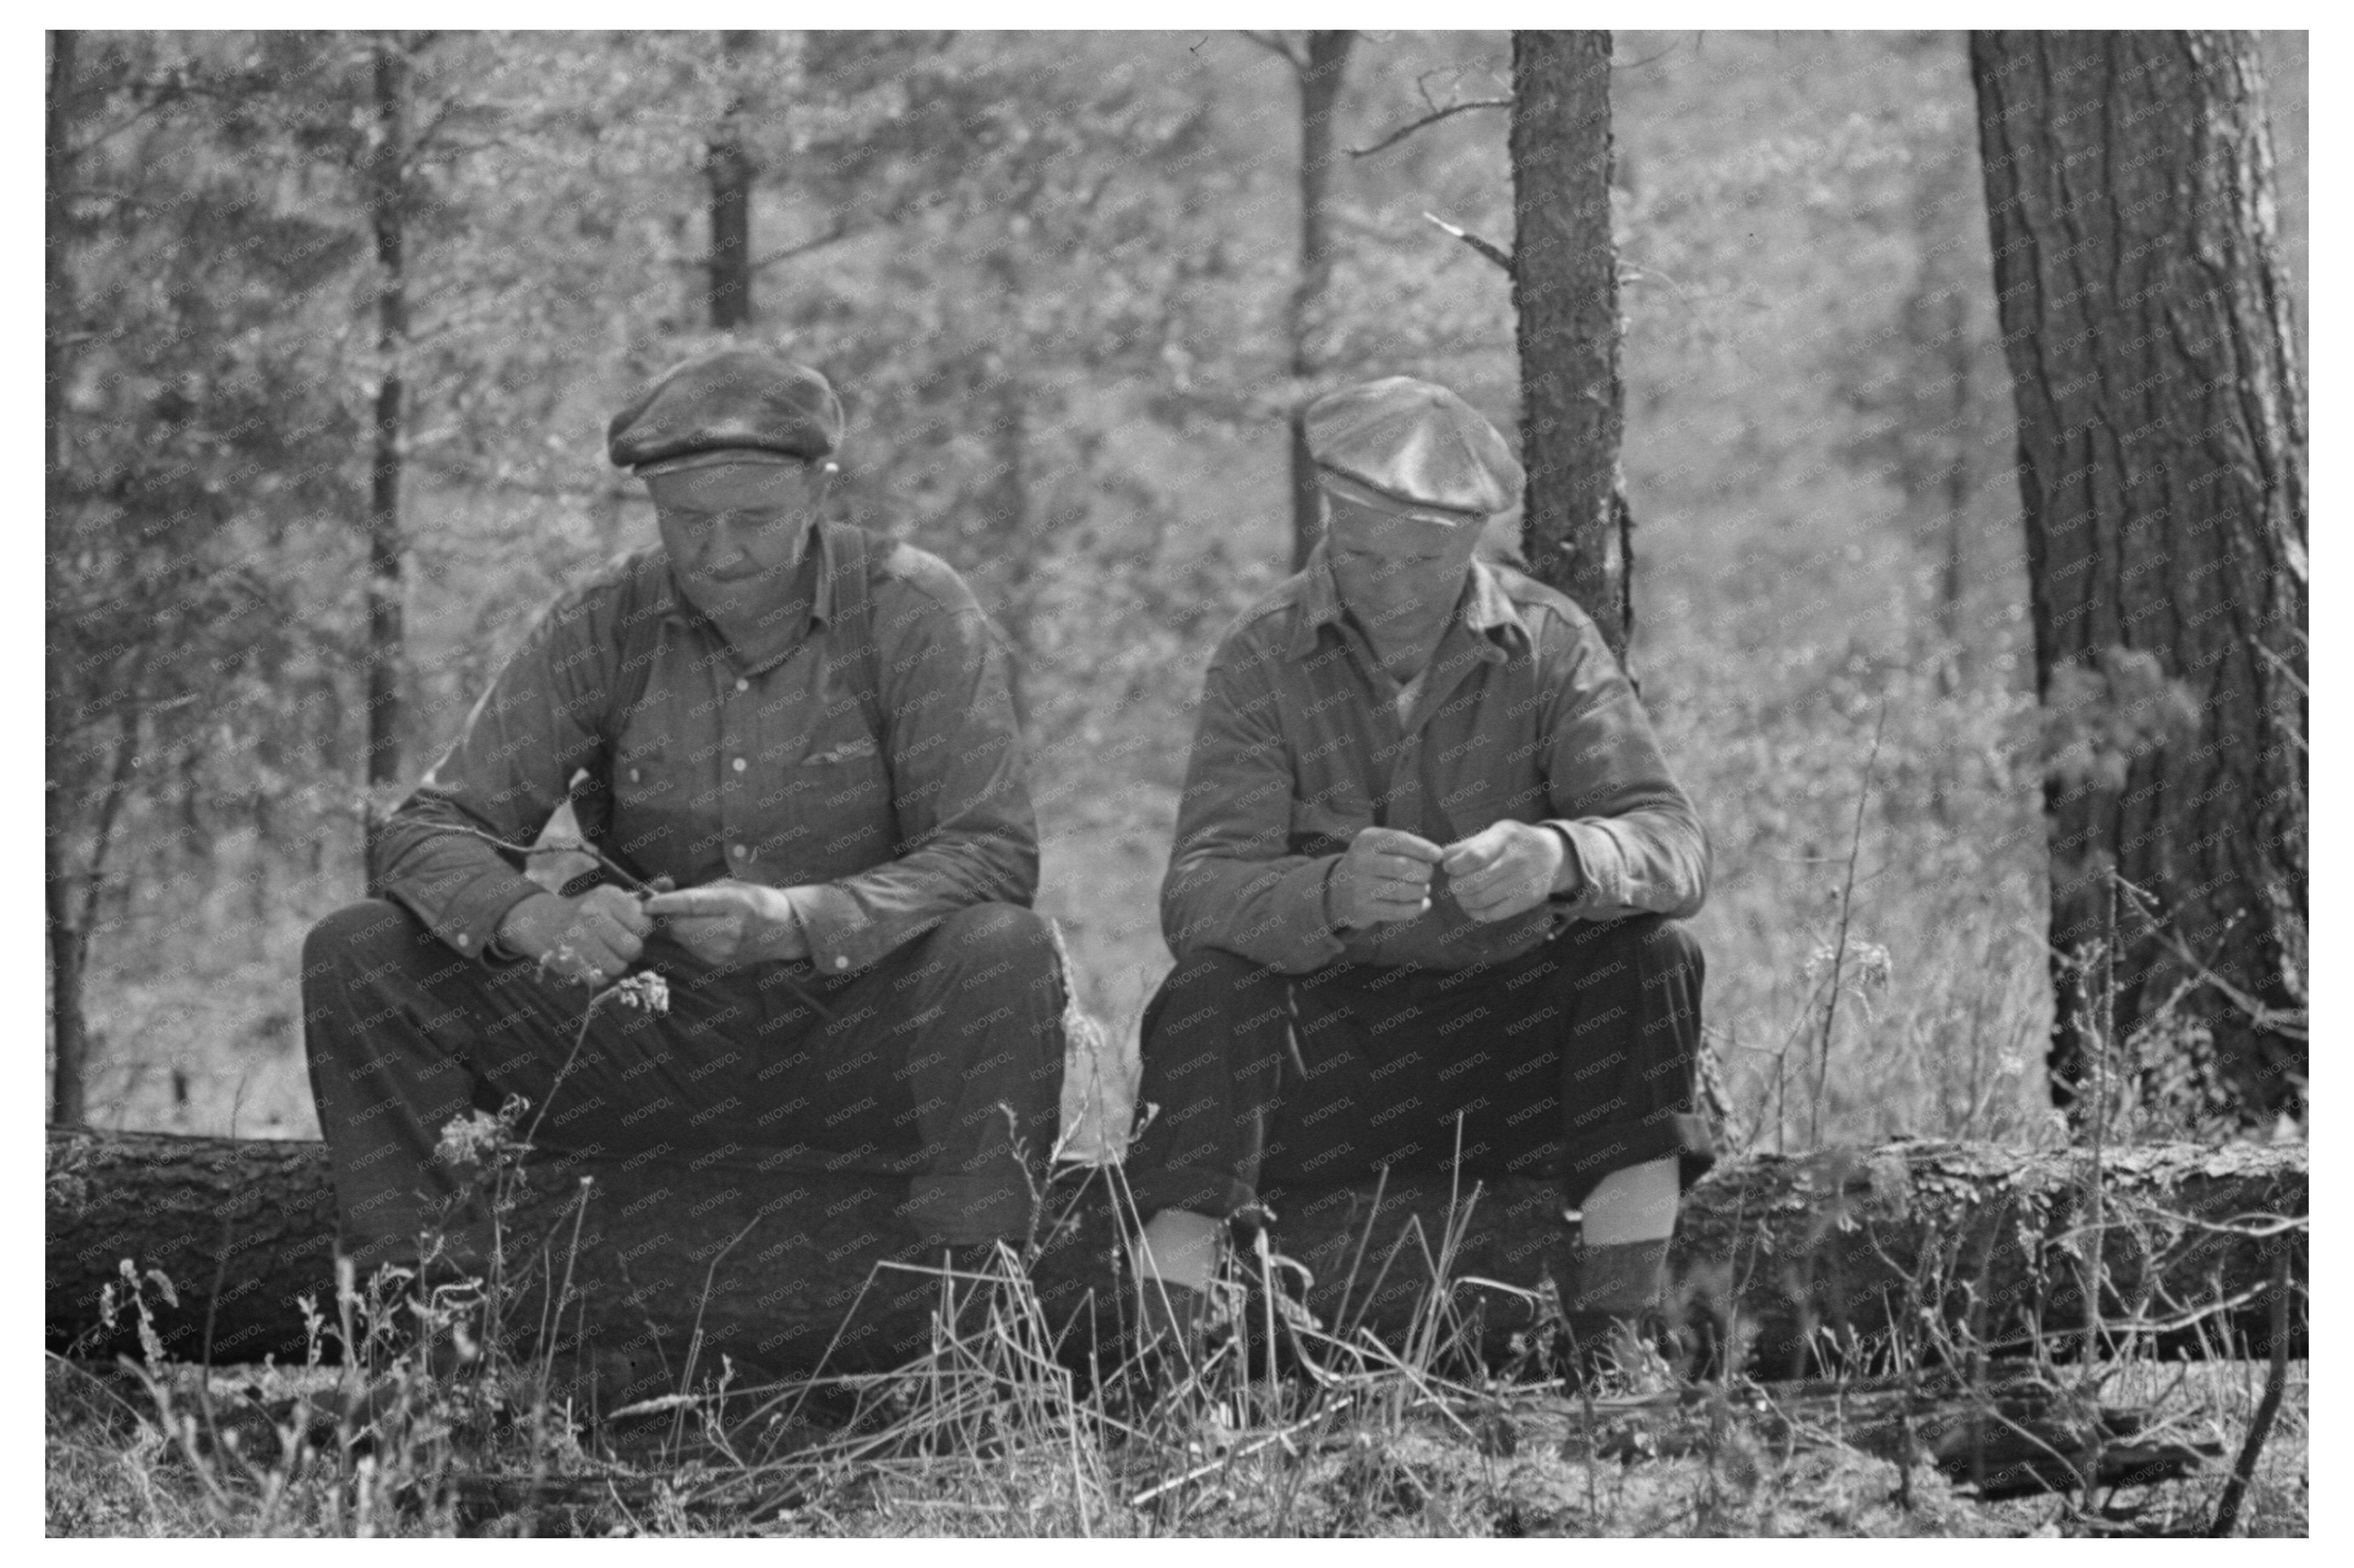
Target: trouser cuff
1587 1158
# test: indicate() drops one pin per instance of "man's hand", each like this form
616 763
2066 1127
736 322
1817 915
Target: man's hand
1505 869
1383 875
592 938
731 922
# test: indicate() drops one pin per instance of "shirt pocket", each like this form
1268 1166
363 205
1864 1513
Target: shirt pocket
649 760
650 788
833 814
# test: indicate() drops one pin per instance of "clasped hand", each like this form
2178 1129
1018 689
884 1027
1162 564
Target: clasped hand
597 937
1505 869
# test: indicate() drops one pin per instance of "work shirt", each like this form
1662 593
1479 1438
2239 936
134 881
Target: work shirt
1522 712
765 773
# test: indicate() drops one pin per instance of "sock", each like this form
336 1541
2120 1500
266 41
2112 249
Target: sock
1629 1217
1636 1203
1178 1247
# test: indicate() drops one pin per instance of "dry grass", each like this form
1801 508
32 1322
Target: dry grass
992 1432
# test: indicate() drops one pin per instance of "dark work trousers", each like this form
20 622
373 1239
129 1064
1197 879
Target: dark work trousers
905 1073
1569 1062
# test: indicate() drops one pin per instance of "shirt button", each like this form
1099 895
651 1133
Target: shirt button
742 684
464 942
842 961
741 764
740 852
633 775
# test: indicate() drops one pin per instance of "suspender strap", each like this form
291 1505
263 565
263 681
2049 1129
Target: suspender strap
853 625
855 653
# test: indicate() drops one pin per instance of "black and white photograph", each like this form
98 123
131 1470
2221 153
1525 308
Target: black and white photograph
1262 783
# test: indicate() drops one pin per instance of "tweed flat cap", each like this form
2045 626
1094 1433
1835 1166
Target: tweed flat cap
732 406
1414 444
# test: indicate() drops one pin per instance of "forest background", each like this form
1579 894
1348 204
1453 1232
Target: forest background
1056 278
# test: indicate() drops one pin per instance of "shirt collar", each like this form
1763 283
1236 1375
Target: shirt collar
1487 610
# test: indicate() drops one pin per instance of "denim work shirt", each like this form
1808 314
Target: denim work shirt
766 774
1521 714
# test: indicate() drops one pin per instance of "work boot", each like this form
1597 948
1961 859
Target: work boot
1174 1317
1614 1310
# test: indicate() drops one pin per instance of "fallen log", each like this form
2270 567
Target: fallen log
2018 1432
1786 1263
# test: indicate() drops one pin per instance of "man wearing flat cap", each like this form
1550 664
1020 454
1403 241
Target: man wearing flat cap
1429 863
795 741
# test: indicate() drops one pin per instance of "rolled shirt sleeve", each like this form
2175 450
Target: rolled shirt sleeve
1232 883
960 785
1639 845
504 776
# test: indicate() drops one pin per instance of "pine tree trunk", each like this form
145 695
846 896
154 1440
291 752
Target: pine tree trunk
66 941
1321 80
1577 528
70 1042
2162 466
728 168
387 199
1010 439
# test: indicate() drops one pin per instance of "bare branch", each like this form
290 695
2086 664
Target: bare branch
1501 257
840 231
1394 137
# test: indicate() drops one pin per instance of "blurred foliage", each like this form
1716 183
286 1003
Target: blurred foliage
1047 273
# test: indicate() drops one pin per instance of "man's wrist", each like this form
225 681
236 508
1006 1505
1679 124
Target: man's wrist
508 938
786 939
1569 876
1332 920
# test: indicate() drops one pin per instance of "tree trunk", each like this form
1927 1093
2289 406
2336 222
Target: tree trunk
1575 528
65 943
1010 443
387 183
728 167
1320 81
768 1267
69 1081
2161 466
1952 582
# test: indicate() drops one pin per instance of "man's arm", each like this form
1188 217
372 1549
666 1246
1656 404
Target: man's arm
504 776
959 783
1635 842
1233 883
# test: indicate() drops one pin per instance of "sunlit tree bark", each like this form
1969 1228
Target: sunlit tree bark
2162 472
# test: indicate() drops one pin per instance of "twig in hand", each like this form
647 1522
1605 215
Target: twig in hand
577 846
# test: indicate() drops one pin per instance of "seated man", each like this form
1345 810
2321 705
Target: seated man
1428 863
804 729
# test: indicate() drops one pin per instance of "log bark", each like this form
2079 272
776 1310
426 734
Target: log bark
2161 470
1775 1257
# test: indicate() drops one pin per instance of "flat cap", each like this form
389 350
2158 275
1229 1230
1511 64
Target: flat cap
1416 445
732 406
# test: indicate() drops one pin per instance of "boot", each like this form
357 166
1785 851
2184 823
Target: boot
1615 1307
